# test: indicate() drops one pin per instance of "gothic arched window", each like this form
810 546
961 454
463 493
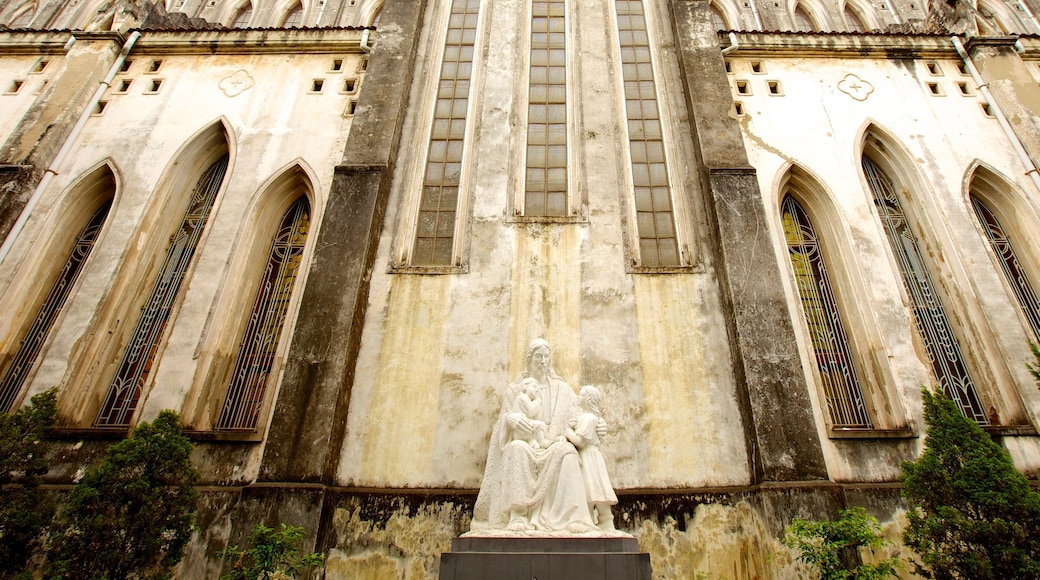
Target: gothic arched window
853 20
1002 247
294 17
249 377
143 347
802 21
718 18
934 326
834 360
14 375
242 16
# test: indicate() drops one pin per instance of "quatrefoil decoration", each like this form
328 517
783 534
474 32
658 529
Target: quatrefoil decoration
855 87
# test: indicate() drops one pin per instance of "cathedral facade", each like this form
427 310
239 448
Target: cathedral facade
325 231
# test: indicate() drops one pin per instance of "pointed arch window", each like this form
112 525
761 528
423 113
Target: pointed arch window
834 360
294 17
242 16
143 347
853 21
23 18
802 21
1004 250
256 353
717 18
934 326
17 371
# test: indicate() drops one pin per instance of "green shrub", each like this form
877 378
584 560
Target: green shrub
272 553
25 509
972 514
132 516
830 546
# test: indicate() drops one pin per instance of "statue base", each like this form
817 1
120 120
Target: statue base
514 558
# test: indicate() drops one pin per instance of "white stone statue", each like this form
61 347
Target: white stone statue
534 483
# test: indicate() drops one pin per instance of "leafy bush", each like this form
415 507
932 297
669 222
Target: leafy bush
830 546
25 510
972 514
273 553
132 516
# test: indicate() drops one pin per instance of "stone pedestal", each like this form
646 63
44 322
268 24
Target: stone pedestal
476 558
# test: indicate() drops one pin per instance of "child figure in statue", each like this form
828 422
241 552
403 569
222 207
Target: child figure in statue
529 403
582 433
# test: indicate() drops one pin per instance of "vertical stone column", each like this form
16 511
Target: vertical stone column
781 434
309 418
35 141
1012 87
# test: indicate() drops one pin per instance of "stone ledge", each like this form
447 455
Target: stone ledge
545 559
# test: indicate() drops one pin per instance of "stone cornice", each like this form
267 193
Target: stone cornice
253 41
869 45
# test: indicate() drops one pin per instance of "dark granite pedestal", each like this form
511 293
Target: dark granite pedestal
476 558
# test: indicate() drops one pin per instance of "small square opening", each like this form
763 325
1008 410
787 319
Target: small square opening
774 88
964 88
99 108
934 88
155 65
743 88
124 85
962 68
155 85
351 106
349 85
337 65
987 110
317 84
933 68
738 107
126 65
40 65
15 86
729 66
756 67
364 65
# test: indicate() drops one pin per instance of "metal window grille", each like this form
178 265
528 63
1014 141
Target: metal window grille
830 343
139 356
242 17
944 354
438 203
1016 276
245 395
655 220
14 376
545 186
294 17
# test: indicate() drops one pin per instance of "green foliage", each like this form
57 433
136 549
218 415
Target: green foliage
972 514
273 553
25 510
132 516
830 546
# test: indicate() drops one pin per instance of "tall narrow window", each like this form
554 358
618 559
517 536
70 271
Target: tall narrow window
23 18
853 21
143 346
1013 271
438 204
802 21
13 378
943 351
655 219
545 186
242 17
834 360
717 18
245 396
294 17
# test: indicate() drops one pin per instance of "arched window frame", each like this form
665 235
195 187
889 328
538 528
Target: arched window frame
91 367
241 16
719 17
1010 218
293 16
811 20
870 353
235 301
23 18
24 300
865 18
1000 403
